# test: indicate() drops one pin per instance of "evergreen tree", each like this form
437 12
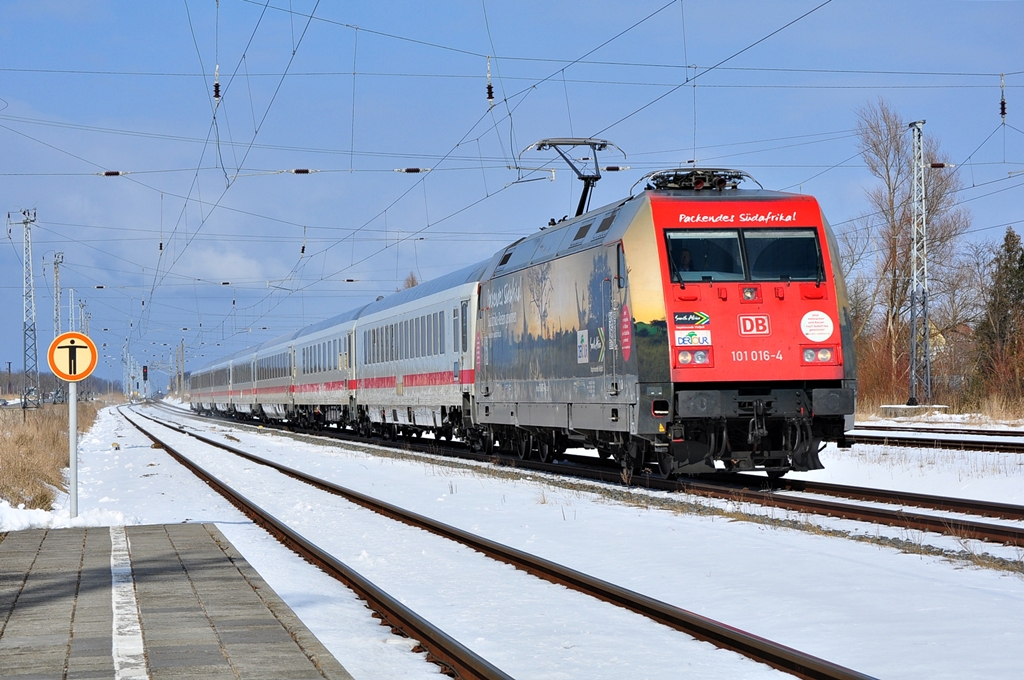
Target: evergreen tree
1000 345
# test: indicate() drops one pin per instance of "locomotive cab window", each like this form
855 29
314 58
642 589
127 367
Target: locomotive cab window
783 254
744 255
695 255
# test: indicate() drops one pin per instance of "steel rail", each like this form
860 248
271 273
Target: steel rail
967 506
943 429
936 439
716 489
441 647
724 636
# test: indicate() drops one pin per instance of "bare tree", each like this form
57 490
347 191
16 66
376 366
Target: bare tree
876 248
410 281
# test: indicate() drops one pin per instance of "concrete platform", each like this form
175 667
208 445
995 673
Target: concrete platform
163 601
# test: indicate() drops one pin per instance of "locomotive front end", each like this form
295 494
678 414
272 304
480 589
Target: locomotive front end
742 324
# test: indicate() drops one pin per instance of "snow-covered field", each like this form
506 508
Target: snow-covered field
865 605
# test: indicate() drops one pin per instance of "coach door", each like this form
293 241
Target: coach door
614 293
462 343
347 358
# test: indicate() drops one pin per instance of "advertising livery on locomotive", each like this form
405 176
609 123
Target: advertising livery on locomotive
695 326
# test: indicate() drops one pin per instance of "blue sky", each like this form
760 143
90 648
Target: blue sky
364 88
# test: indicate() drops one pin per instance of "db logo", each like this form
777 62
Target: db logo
755 324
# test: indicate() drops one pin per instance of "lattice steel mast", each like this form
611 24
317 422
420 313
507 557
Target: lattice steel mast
58 260
920 354
30 385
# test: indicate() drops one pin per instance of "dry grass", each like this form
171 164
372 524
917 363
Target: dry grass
34 453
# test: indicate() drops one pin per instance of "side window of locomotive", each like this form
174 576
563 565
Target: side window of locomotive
783 254
697 255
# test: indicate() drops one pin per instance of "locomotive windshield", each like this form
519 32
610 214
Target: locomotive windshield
744 255
694 255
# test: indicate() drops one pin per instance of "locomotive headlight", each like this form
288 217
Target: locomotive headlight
824 354
700 357
809 355
750 293
685 357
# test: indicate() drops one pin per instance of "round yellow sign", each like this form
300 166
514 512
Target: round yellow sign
72 356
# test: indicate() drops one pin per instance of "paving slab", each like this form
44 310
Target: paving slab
153 601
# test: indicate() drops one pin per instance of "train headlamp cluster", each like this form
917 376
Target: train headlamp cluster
690 357
816 355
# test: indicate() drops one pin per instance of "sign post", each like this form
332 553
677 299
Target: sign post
73 357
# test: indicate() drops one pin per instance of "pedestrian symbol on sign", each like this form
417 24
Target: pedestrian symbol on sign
72 349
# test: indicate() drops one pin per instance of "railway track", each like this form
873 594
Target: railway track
967 439
455 658
762 491
448 651
964 506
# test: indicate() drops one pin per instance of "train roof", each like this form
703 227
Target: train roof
470 274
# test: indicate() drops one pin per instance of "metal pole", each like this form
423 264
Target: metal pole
73 445
920 353
58 259
30 392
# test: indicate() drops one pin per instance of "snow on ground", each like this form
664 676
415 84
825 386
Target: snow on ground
866 606
980 475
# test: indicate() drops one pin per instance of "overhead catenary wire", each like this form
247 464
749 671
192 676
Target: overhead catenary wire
351 151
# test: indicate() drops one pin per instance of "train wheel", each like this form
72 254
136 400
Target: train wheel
524 446
633 457
544 450
666 465
776 474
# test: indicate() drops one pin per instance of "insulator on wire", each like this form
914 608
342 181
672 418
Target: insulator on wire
1002 97
490 87
216 83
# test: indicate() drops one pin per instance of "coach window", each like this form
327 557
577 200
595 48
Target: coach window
455 329
465 325
440 332
432 322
